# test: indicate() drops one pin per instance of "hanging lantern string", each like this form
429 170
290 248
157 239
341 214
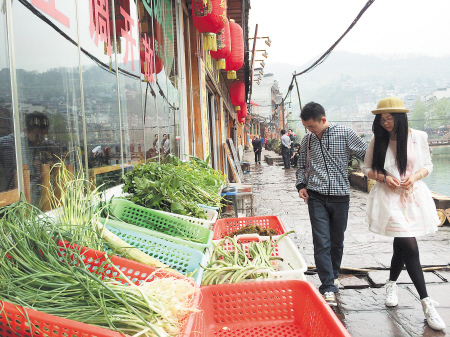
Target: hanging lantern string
328 52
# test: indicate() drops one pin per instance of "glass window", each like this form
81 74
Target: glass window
47 69
168 79
7 146
98 62
129 80
151 64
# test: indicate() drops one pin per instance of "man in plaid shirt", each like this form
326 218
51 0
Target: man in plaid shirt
327 190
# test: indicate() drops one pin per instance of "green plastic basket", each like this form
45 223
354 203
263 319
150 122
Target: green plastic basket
181 258
174 229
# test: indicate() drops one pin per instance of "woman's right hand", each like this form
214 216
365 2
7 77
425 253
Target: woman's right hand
392 183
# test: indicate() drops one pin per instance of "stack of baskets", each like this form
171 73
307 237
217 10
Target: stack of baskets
283 305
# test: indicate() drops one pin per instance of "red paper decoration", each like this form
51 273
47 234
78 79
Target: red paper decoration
209 18
120 20
223 46
237 94
236 58
156 43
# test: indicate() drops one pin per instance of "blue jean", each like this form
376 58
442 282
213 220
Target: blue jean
328 223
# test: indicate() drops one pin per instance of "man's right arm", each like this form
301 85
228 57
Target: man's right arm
300 175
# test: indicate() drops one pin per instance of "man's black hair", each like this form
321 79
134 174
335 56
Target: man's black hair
283 132
36 120
296 144
312 111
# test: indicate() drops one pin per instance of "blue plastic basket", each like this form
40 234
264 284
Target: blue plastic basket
180 258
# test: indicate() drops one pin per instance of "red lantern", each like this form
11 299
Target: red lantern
236 58
237 94
242 113
223 46
209 18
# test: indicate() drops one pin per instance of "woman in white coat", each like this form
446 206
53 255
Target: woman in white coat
400 204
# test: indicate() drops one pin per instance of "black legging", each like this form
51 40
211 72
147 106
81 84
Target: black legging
406 252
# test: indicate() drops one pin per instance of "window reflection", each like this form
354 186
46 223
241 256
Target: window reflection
142 89
7 147
48 91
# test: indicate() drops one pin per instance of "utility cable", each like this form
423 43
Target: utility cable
102 65
328 52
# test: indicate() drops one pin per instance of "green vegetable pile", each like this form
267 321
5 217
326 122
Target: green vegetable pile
175 186
241 262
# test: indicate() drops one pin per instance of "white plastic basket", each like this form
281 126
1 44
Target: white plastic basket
292 267
211 214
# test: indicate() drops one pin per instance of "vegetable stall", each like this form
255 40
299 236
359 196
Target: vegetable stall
133 265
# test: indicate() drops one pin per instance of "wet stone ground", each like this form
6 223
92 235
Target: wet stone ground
361 296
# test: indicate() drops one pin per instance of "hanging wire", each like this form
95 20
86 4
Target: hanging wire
102 65
328 52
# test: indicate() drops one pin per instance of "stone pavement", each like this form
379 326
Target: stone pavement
361 297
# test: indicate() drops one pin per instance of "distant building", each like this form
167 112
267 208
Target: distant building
269 97
438 94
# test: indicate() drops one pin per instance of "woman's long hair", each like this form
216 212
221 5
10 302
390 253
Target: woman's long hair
382 142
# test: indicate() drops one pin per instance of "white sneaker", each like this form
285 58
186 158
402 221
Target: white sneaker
330 298
391 294
433 319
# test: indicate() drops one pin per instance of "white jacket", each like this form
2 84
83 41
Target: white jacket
382 201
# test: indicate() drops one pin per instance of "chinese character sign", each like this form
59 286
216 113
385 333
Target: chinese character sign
126 34
100 25
50 8
148 59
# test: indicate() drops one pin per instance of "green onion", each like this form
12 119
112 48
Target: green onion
233 266
34 274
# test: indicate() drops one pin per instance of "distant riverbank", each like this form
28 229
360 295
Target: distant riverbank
439 180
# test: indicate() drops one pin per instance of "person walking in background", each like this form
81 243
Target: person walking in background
292 138
166 144
286 149
156 145
322 181
265 143
257 148
400 204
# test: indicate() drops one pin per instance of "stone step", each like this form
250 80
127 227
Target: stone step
271 159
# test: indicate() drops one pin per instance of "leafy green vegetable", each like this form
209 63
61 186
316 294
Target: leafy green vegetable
175 186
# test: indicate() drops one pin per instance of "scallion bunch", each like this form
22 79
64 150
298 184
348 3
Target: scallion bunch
35 274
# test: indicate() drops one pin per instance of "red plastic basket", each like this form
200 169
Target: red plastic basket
225 226
287 308
14 321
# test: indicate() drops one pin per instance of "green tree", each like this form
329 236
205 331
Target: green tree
58 129
418 115
440 114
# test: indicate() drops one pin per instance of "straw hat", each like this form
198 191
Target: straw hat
390 105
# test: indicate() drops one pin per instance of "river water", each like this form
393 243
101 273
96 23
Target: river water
439 180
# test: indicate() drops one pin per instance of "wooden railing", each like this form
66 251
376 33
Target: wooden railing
438 142
11 196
